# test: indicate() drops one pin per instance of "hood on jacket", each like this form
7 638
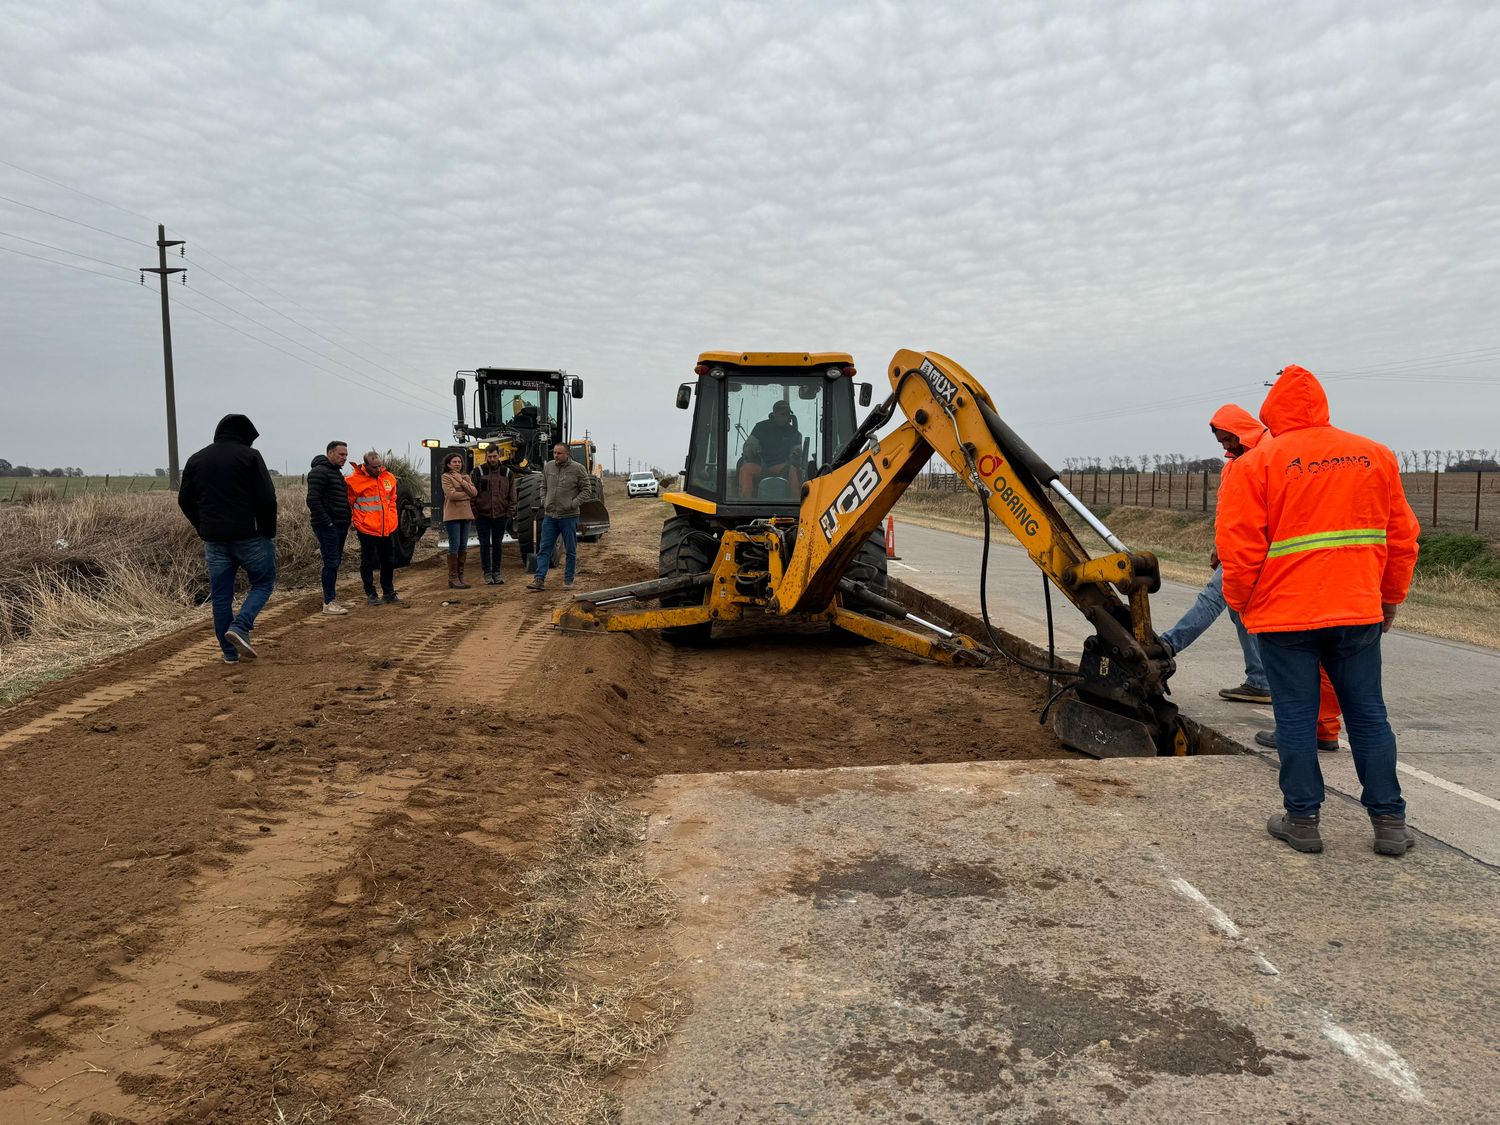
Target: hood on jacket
1296 402
321 459
236 427
1237 420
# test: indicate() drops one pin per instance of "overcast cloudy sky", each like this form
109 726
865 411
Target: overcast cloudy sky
1117 215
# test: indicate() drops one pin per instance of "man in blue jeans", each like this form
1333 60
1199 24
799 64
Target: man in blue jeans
328 505
1318 545
565 486
1238 433
228 497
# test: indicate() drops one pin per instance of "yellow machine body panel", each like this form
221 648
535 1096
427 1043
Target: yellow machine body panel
778 359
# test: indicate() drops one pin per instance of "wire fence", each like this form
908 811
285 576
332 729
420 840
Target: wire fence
1448 501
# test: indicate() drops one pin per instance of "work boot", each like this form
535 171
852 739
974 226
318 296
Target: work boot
373 599
534 584
1301 832
1246 693
393 598
1267 738
1392 837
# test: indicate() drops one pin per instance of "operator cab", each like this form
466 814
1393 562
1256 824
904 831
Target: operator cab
764 424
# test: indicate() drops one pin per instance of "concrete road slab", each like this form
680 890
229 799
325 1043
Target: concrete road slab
1443 696
1062 942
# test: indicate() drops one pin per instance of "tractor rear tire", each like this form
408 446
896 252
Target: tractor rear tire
686 548
528 515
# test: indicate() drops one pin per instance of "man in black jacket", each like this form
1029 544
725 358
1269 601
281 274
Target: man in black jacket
228 497
328 501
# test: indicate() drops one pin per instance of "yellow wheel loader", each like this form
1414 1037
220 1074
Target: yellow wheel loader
781 511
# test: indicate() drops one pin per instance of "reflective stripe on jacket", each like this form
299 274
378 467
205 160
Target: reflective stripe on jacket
1313 526
372 501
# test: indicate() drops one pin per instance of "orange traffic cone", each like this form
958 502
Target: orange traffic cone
890 538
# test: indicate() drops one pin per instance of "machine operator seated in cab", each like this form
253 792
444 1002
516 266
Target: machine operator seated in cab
771 452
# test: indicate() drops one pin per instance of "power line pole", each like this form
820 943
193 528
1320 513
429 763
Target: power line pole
163 271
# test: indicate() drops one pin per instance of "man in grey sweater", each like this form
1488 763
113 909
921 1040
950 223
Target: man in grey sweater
565 486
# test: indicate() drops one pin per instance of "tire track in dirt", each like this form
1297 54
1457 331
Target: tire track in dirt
184 997
193 656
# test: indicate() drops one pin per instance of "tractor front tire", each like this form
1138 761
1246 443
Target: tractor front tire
686 548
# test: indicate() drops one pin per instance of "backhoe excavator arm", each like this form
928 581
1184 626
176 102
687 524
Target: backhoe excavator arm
1120 693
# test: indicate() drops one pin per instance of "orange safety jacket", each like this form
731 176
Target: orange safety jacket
1313 527
372 501
1238 421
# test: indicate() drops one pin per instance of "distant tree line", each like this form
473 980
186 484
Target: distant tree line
1411 460
9 470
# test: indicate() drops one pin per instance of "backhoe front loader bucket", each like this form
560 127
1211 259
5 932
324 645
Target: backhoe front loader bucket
593 520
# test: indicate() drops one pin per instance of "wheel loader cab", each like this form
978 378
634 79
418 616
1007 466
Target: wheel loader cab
765 423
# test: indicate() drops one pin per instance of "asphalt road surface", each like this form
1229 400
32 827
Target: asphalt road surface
1443 696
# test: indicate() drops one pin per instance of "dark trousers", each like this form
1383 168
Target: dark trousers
331 539
491 531
1350 654
377 550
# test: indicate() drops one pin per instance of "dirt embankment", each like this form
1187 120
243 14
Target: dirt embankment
224 882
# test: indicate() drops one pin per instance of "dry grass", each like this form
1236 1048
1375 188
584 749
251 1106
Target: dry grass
530 1014
1444 602
94 575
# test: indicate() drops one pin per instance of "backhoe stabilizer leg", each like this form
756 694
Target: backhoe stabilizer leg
589 618
953 649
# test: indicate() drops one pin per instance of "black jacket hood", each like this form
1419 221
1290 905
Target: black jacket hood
321 459
236 427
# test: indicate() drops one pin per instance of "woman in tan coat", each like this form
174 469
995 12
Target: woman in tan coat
458 513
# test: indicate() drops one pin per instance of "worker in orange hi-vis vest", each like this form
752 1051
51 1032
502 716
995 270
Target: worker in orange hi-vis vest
1318 544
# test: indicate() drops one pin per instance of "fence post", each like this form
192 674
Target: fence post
1205 490
1478 486
1095 500
1434 496
1137 490
1169 488
1153 488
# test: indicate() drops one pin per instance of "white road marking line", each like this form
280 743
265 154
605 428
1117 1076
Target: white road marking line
1223 923
1450 786
1374 1054
1377 1056
903 566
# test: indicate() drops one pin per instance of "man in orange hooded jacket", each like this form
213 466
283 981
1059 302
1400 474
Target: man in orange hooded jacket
1318 545
1235 430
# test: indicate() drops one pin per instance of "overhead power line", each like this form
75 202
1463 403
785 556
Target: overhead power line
76 191
65 250
70 266
75 222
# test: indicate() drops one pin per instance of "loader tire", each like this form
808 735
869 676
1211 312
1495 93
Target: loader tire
528 515
686 548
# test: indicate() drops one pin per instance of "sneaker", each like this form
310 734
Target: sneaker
334 608
1392 837
1267 738
496 580
567 583
373 599
1245 693
235 659
1301 832
537 586
241 642
393 599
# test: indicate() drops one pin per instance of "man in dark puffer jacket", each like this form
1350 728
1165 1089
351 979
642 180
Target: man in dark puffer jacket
228 497
328 503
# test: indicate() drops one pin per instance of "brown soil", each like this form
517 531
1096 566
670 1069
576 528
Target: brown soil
215 878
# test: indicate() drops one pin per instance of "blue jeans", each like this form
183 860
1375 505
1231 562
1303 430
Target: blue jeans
458 535
552 527
1203 613
258 558
331 545
1350 654
491 531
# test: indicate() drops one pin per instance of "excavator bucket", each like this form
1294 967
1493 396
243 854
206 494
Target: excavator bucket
1100 733
593 520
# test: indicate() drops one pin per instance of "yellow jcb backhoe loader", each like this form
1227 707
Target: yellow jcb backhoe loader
782 517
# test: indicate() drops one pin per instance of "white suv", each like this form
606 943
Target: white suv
642 484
